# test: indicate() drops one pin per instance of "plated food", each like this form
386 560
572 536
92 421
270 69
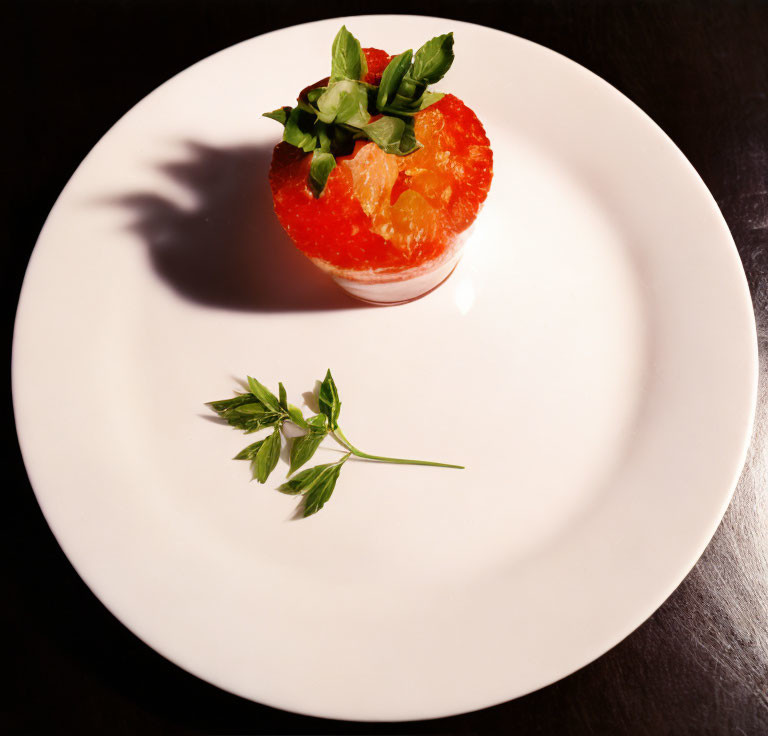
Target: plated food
378 179
561 382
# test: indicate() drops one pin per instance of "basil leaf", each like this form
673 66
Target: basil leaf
283 400
408 142
385 133
328 398
281 114
288 489
347 58
254 408
393 135
345 101
317 483
304 480
314 94
353 109
264 395
250 420
304 447
299 130
262 421
392 77
236 420
295 415
248 453
430 98
266 457
323 137
320 493
433 59
317 423
410 91
306 107
319 170
225 404
398 107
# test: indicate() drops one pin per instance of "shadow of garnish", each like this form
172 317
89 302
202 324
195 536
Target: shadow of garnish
229 250
310 398
242 384
214 419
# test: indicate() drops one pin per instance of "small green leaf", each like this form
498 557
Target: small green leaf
306 107
319 170
318 423
317 483
353 109
408 142
283 401
433 59
398 107
328 398
236 420
264 395
250 420
304 480
386 133
323 137
430 98
260 421
347 58
317 496
314 94
295 415
393 135
267 456
226 404
392 77
345 101
304 447
299 130
254 408
409 92
281 114
248 453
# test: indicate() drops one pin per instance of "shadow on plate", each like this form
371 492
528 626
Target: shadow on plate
229 250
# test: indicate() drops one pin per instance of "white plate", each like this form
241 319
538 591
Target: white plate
592 361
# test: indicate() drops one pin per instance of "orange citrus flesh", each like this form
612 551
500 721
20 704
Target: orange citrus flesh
385 212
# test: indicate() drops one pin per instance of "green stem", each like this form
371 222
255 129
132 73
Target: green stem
400 461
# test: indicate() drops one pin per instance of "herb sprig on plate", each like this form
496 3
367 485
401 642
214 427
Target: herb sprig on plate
259 409
328 120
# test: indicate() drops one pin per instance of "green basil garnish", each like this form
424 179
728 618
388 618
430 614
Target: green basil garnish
328 120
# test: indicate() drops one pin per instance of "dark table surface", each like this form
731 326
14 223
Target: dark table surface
699 69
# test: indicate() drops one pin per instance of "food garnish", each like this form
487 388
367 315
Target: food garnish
329 118
259 409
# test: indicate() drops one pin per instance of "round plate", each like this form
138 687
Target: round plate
592 362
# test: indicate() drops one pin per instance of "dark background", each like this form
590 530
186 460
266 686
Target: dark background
699 69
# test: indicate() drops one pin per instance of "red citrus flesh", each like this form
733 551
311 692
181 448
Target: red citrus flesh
385 212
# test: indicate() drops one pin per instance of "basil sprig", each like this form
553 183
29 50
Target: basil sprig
259 408
328 120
